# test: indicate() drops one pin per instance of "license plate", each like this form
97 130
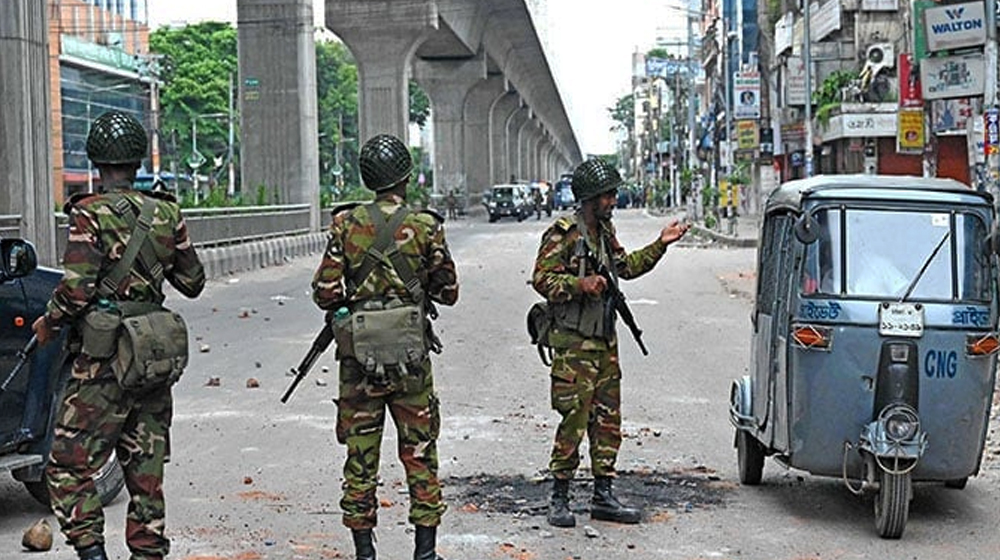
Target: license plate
901 319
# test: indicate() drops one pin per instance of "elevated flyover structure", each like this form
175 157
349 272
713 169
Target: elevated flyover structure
496 111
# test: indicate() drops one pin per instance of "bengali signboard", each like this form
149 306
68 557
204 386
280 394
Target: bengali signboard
953 76
910 139
955 26
991 140
823 19
951 116
664 67
795 81
861 125
783 33
879 5
746 135
746 95
909 83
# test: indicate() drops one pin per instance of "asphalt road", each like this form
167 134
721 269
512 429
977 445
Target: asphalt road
252 479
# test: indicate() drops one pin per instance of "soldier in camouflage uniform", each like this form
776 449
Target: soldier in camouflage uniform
585 376
408 396
97 416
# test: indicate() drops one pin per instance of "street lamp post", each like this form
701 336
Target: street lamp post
90 94
194 162
807 60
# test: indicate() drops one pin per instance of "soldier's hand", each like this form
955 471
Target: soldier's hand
43 331
674 231
593 285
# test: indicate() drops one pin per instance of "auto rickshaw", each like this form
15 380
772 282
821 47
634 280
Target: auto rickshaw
875 342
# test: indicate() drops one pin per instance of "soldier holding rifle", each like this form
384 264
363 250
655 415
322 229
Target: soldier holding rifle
383 267
577 270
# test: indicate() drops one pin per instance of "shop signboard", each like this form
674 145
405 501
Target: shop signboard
861 125
746 135
953 76
795 81
746 95
954 26
991 144
950 116
909 83
910 139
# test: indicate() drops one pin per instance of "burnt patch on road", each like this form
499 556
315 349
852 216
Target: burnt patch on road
659 494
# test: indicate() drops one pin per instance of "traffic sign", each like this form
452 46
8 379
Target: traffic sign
196 160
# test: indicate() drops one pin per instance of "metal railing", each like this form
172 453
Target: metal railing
209 227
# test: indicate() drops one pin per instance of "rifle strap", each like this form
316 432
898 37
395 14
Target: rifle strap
385 251
136 247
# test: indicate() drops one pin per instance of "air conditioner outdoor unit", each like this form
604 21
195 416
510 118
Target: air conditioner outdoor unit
881 55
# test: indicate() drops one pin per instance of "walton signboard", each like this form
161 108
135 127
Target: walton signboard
955 26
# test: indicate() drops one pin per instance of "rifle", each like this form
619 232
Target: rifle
322 342
615 303
22 360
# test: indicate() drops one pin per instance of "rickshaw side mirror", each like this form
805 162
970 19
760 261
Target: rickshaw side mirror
806 229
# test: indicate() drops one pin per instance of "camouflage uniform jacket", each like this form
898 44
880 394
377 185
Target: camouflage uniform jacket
557 270
98 235
420 239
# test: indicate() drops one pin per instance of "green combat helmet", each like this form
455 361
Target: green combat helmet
594 177
385 162
116 138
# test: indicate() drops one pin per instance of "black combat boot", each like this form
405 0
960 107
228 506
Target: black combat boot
605 507
364 547
426 543
92 552
559 513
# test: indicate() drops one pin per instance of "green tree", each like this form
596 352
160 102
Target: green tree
420 105
623 112
337 96
198 60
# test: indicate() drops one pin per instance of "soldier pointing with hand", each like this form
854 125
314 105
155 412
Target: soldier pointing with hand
585 375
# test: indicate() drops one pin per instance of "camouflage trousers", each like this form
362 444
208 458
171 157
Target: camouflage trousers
97 417
361 411
586 392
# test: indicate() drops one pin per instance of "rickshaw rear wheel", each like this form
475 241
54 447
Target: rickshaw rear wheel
750 456
892 504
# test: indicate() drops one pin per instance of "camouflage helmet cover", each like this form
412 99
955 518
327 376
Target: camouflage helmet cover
385 162
594 177
116 138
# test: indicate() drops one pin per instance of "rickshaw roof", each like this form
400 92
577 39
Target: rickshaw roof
790 195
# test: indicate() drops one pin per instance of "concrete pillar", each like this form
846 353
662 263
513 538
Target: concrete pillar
447 83
382 37
279 121
500 114
514 124
25 125
478 140
524 134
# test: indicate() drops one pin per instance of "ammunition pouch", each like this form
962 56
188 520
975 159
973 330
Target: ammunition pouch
380 335
99 331
584 316
152 348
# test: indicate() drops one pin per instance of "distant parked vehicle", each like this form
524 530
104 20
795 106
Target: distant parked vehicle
563 198
508 201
